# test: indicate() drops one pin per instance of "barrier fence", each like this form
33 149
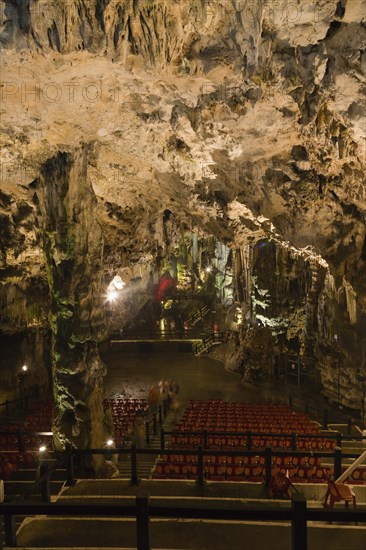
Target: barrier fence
298 514
68 461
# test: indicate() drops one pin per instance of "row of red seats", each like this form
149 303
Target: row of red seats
285 461
30 443
124 414
204 412
251 406
37 406
236 472
125 404
241 427
242 415
229 442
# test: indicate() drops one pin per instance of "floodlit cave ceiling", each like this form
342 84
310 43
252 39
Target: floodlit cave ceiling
244 119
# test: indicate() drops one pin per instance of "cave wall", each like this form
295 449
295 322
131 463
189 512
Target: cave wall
32 348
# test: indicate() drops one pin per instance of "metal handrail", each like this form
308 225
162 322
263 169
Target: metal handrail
297 513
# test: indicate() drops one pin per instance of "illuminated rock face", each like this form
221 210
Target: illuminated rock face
239 120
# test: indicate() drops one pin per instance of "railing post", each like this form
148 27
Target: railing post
299 528
325 419
162 438
134 477
154 423
306 407
290 401
349 426
293 441
200 466
70 470
142 521
268 464
249 441
147 426
160 415
337 462
45 484
21 442
339 439
205 439
165 408
10 530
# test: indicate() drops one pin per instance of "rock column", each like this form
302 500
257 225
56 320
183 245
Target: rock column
73 247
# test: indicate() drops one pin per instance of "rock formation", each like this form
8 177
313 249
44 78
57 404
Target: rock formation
129 124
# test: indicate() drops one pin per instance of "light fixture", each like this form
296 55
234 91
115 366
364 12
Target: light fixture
112 295
208 269
24 368
109 443
42 448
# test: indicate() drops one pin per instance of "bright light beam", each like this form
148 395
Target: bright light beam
112 295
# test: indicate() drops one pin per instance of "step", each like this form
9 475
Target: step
28 474
12 488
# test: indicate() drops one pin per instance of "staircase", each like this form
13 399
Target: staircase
212 339
145 463
198 315
23 479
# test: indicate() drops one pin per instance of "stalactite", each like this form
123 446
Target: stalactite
351 301
194 247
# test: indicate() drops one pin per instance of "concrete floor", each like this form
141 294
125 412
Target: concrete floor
200 377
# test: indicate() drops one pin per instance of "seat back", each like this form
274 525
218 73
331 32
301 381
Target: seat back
332 486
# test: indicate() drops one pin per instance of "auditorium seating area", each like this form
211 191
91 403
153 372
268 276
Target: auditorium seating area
124 415
39 417
19 443
262 418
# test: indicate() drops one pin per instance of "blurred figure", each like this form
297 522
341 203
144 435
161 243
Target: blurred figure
154 397
164 389
173 394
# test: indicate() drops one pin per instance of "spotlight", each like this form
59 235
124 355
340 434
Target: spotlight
112 295
42 448
208 269
109 443
24 368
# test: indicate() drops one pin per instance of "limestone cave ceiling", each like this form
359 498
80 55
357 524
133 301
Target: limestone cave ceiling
243 118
